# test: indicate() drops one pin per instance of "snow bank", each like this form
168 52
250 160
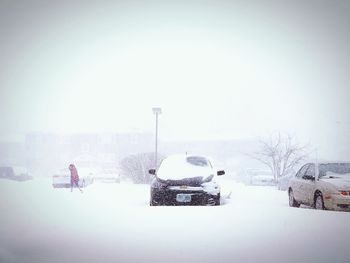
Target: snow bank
114 223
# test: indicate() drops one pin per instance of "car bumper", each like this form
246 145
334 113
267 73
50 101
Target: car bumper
337 202
170 197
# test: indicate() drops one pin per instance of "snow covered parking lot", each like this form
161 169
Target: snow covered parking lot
114 223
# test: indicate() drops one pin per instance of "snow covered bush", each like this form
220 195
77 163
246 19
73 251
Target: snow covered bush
136 166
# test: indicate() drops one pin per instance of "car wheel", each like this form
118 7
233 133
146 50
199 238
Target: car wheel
319 204
217 199
152 203
292 201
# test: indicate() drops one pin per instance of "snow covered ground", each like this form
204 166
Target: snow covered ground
114 223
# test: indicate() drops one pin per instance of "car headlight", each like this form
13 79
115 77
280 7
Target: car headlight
208 179
344 193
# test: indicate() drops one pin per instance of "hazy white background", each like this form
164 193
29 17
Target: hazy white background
219 69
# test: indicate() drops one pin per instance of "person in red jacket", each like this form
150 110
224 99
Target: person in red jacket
74 177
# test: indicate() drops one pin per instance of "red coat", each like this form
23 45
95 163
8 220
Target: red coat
74 174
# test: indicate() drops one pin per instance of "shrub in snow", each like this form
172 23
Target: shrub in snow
136 166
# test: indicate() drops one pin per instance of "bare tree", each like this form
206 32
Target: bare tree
281 153
136 167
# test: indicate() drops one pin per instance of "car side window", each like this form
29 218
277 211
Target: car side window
311 170
302 171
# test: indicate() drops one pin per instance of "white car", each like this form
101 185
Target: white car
61 179
260 177
321 185
108 175
263 180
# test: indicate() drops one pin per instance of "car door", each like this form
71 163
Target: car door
297 184
308 185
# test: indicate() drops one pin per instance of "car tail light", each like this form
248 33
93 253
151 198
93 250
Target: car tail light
345 193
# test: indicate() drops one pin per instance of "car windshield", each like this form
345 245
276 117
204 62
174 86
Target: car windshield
334 169
179 167
198 161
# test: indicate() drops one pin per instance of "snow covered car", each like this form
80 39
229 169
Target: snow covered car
15 173
185 180
321 185
110 175
263 180
260 177
61 179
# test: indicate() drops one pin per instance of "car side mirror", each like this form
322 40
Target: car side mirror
152 171
221 172
309 177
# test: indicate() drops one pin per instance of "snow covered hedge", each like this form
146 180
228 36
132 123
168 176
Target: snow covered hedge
136 166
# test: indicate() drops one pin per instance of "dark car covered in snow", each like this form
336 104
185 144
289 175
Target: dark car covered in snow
185 180
15 173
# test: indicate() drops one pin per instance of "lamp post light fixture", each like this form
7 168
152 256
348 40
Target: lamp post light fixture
156 111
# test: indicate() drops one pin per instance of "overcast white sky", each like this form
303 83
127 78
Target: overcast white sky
218 69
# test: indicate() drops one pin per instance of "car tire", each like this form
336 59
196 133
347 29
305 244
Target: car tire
292 201
318 202
217 199
152 203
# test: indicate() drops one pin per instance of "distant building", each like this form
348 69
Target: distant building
47 152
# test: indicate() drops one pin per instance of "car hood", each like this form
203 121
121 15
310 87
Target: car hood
339 183
184 172
193 181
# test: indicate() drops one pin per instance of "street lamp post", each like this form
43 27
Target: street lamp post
156 111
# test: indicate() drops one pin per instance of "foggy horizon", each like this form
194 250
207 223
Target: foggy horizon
219 70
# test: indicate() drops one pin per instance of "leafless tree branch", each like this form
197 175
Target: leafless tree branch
281 153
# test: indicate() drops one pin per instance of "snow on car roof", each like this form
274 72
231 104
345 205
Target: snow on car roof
322 161
177 167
